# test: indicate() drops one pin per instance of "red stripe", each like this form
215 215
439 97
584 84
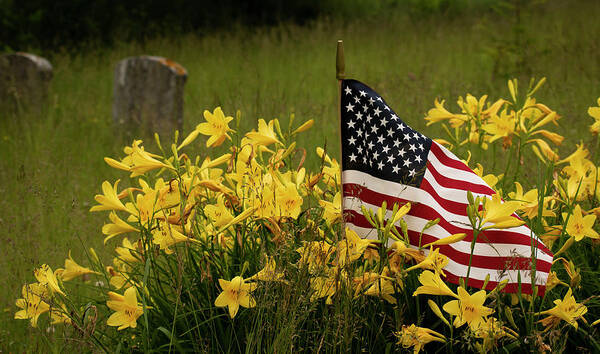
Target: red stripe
427 212
458 184
478 261
444 159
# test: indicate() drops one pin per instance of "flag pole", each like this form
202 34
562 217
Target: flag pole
340 73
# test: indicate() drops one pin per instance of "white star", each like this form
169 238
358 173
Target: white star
418 159
347 90
375 155
358 115
351 123
364 159
395 169
407 137
356 99
401 152
412 173
380 139
353 157
391 158
370 144
369 118
359 132
374 129
360 150
416 136
386 149
384 121
420 146
407 163
377 111
412 147
365 107
401 126
396 143
366 134
371 163
386 108
351 141
371 101
350 108
380 165
379 99
362 93
394 116
390 132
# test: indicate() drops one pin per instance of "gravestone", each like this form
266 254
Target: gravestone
24 81
148 93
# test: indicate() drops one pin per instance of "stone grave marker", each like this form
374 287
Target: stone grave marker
24 82
148 93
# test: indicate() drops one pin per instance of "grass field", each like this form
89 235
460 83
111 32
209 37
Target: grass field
51 165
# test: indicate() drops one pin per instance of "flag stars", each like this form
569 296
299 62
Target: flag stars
396 143
359 132
412 173
394 117
377 111
360 150
365 107
390 132
407 162
370 145
380 165
384 122
352 157
352 140
375 155
380 139
371 101
350 108
418 159
369 118
356 99
386 149
359 115
401 152
351 123
412 148
348 91
421 147
401 126
390 158
374 129
395 169
362 93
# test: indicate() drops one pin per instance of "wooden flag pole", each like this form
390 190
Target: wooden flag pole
340 73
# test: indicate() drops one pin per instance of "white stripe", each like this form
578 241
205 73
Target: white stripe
415 223
417 195
476 272
453 173
451 194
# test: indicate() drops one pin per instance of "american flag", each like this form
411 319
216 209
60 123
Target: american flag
383 159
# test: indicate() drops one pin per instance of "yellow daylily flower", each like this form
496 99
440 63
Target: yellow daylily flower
218 214
566 309
383 288
216 126
580 226
468 308
594 112
529 201
432 284
127 309
265 135
269 272
32 304
417 337
117 227
109 200
352 247
288 201
439 113
72 270
332 211
235 293
124 252
502 126
46 276
434 261
166 235
500 213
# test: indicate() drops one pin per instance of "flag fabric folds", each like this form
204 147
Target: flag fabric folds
383 159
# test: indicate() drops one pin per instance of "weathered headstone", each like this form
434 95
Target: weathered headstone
148 93
24 81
